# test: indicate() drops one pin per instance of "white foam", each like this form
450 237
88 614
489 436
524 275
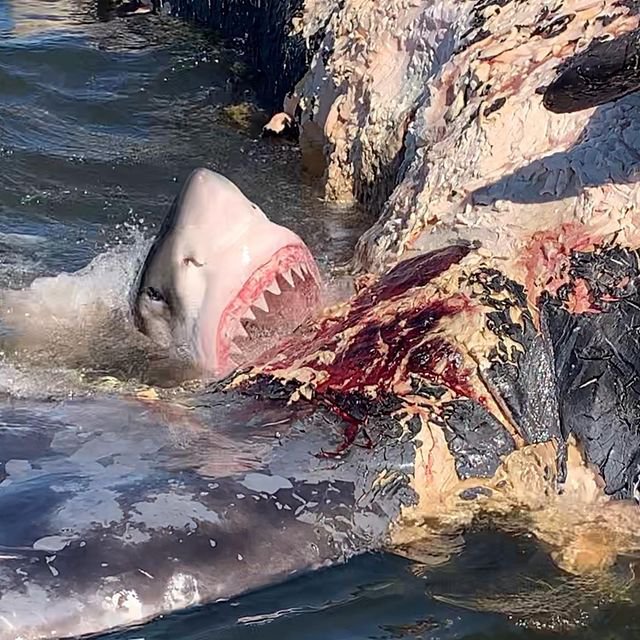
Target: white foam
104 282
21 239
61 326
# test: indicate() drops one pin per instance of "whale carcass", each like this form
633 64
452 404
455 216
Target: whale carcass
501 149
487 366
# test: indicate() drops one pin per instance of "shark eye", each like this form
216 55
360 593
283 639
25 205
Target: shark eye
154 294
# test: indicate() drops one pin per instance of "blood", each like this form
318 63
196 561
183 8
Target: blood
384 353
579 299
369 354
375 354
411 273
547 257
354 428
440 363
407 275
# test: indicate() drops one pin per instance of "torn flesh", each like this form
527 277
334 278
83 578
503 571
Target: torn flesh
508 329
432 114
518 403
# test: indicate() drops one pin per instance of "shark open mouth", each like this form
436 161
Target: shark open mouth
222 284
272 303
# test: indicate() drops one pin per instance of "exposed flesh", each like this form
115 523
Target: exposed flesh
430 112
518 351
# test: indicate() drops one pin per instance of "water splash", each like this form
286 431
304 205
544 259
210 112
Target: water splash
63 333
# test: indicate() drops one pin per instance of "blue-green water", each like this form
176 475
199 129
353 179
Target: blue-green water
99 122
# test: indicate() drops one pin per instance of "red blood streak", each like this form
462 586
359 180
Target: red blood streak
407 275
375 354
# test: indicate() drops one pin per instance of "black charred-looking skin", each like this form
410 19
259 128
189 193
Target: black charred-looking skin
578 374
468 428
605 71
477 31
524 379
597 362
564 374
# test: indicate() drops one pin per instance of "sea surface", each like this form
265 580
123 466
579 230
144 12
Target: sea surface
101 118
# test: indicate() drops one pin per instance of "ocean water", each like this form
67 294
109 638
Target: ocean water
100 120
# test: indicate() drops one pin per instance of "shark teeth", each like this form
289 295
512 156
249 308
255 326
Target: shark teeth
241 331
234 349
261 303
288 276
276 288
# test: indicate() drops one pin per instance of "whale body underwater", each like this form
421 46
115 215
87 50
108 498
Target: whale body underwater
493 373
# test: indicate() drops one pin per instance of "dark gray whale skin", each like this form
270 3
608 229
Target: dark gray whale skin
603 72
113 513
